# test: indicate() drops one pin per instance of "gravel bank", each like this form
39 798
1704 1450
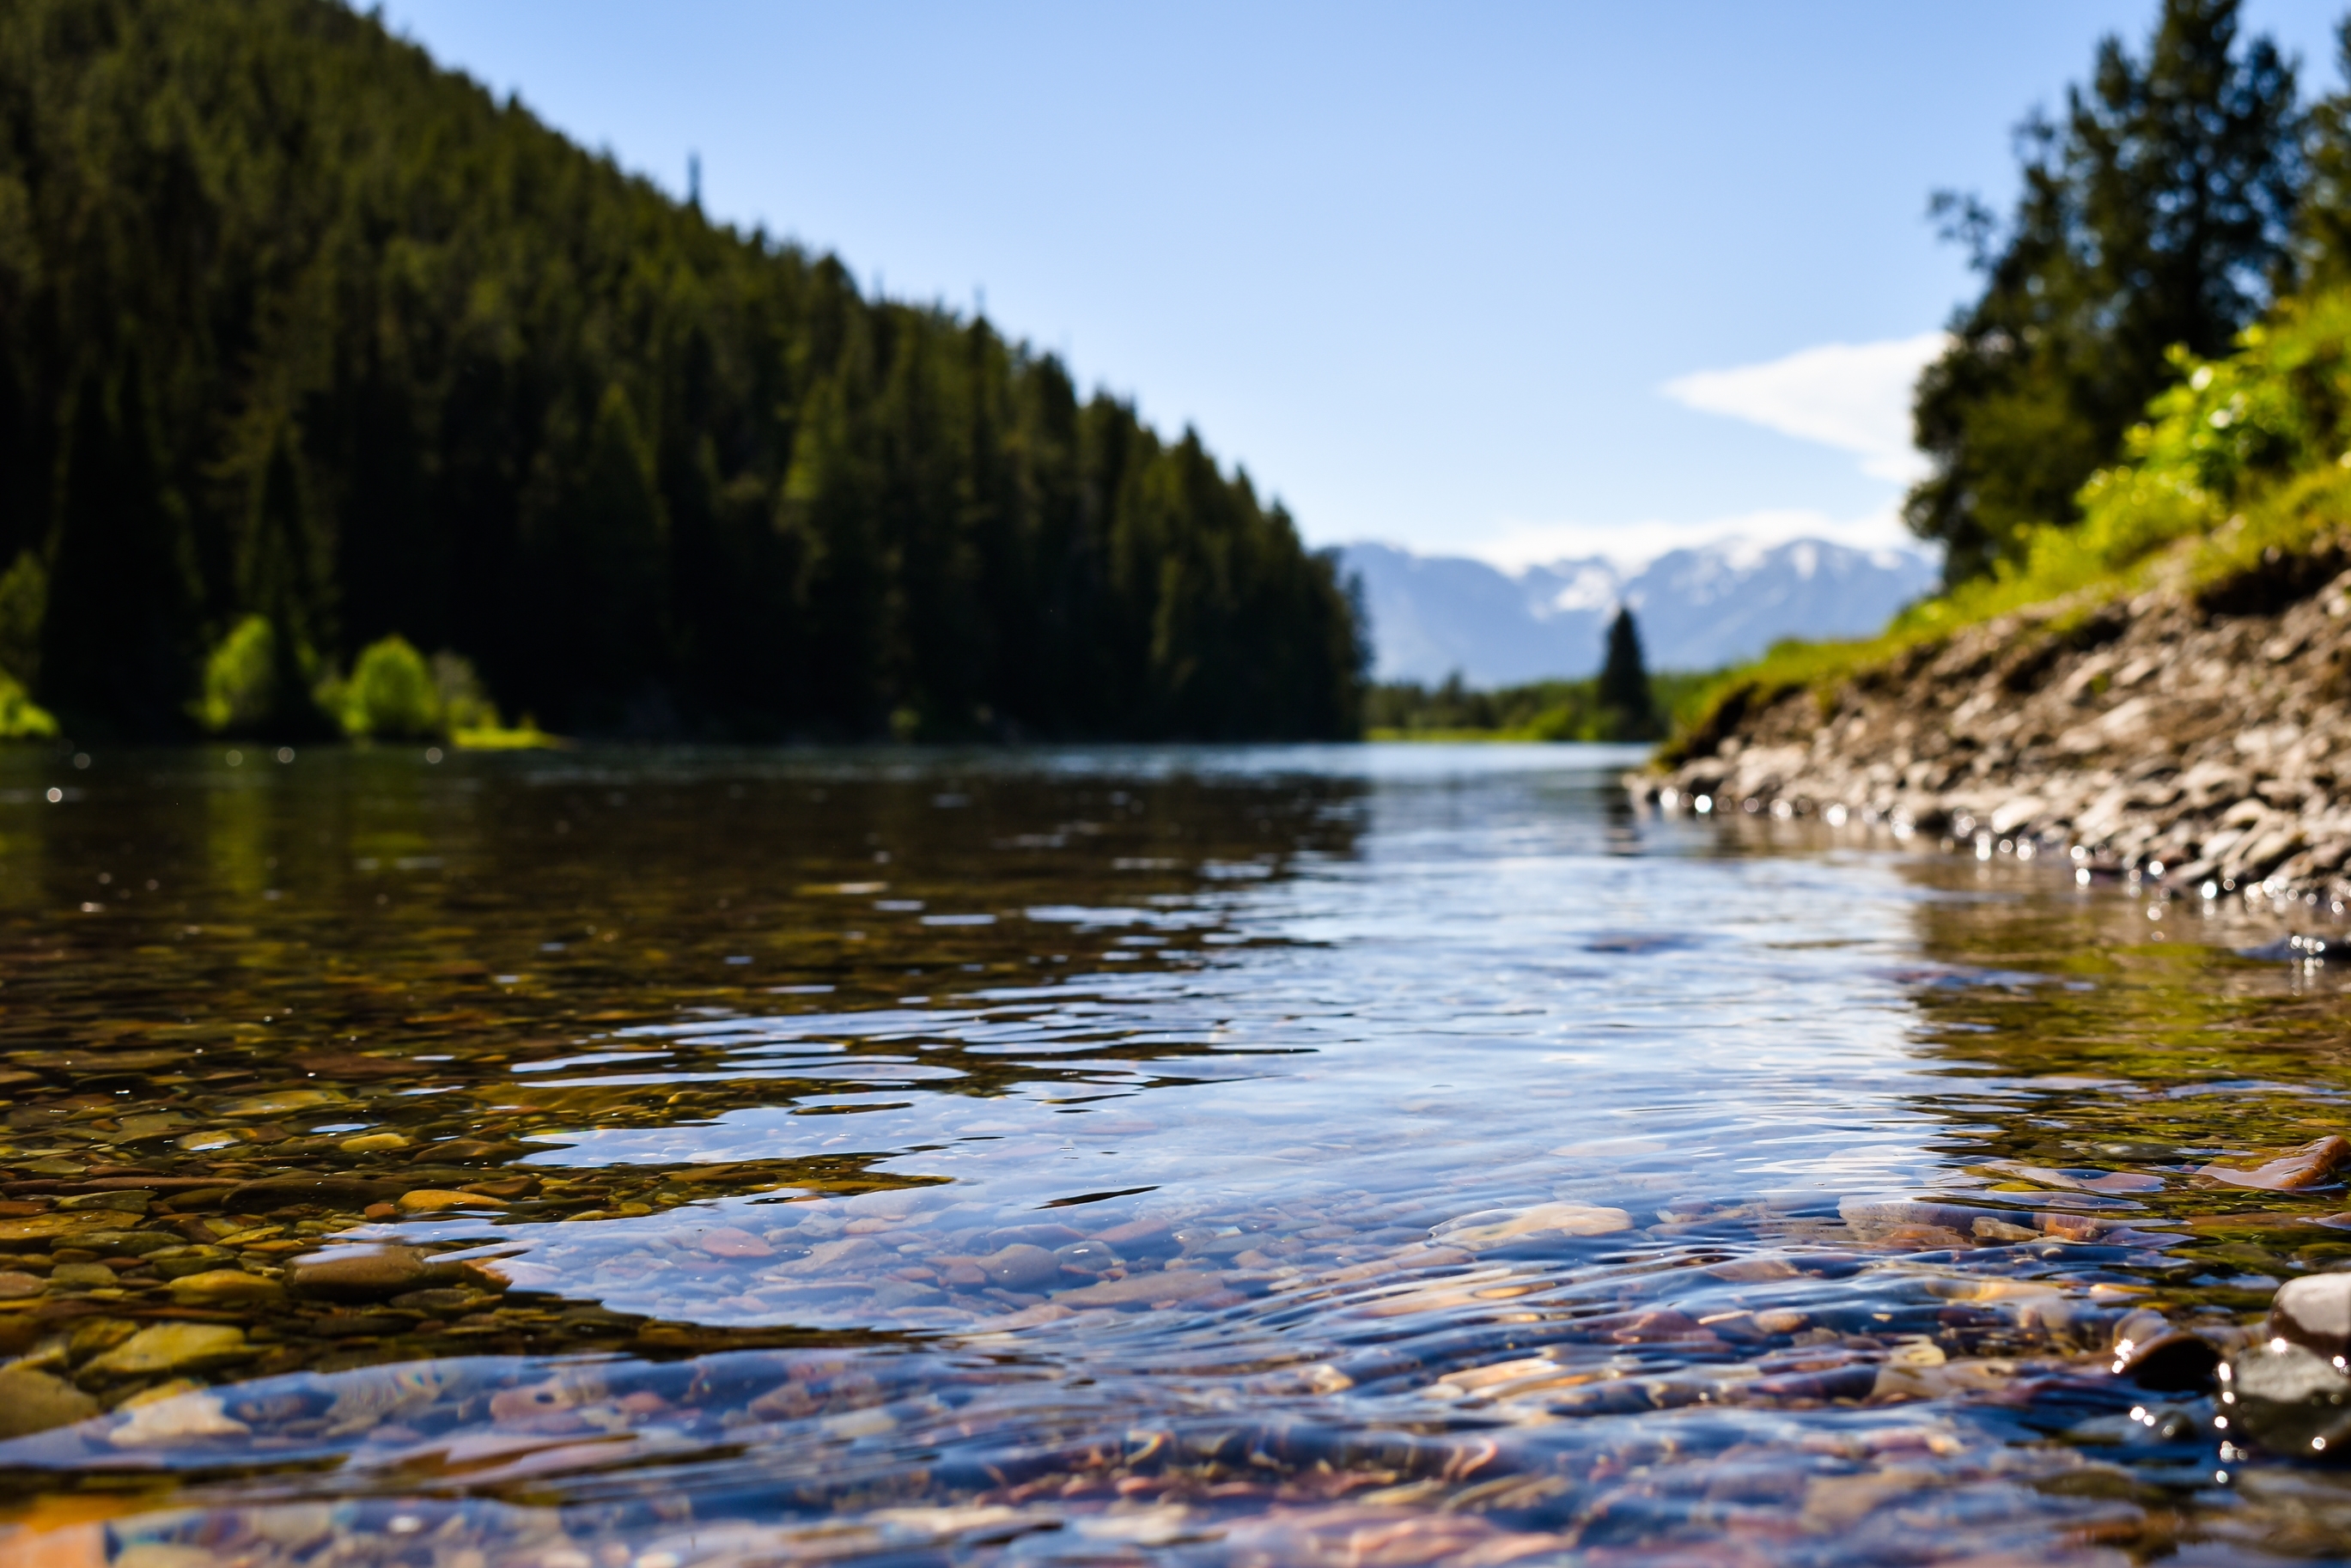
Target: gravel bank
2200 741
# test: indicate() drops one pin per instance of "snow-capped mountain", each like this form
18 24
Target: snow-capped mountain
1698 608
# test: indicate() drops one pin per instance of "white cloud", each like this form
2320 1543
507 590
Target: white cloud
1631 546
1855 397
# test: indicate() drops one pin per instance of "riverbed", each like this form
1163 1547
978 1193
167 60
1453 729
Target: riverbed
1381 1154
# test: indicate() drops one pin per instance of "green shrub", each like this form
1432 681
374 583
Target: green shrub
240 688
464 702
24 603
392 694
20 720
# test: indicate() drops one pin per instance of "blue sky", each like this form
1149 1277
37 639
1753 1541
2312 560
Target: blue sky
1490 280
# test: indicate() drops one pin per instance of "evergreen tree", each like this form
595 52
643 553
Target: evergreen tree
117 635
2323 254
296 325
2157 213
1624 690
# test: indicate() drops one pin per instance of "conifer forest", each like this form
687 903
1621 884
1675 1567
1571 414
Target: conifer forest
307 345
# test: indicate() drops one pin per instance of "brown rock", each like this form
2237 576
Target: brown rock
469 1150
133 1201
2169 1362
2315 1311
2308 1166
173 1347
81 1277
328 1192
34 1402
434 1200
224 1287
46 1225
357 1275
16 1287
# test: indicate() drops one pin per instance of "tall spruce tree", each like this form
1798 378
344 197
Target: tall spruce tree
1626 703
2158 213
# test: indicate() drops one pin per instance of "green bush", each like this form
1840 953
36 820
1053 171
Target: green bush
2237 457
392 694
464 702
20 720
23 601
240 688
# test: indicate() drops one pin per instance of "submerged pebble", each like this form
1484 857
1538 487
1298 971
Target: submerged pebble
33 1401
173 1347
358 1273
575 1257
225 1287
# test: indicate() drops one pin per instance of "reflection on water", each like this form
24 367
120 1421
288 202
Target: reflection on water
1370 1155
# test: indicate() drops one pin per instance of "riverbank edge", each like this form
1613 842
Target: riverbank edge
2194 737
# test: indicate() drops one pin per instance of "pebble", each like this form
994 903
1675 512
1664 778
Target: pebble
42 1227
173 1347
176 1419
372 1143
466 1149
2288 1398
1087 1258
34 1402
727 1241
1497 1226
225 1287
126 1243
2308 1166
1021 1266
331 1192
435 1199
352 1273
16 1287
163 1554
1143 1290
2316 1311
171 1262
282 1102
2170 1362
127 1202
82 1277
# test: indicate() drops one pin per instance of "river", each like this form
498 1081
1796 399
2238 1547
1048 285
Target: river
1375 1155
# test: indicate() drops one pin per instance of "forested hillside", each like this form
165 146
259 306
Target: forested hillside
295 325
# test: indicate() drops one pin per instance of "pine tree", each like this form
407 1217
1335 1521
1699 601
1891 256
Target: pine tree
1628 709
117 641
2157 214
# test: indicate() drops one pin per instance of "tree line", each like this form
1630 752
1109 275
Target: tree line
2184 193
307 345
1625 701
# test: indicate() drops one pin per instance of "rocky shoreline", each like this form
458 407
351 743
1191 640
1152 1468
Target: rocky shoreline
2195 740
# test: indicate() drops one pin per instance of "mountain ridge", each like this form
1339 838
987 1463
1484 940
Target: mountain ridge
1698 608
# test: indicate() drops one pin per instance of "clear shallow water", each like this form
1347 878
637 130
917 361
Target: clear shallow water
1359 1155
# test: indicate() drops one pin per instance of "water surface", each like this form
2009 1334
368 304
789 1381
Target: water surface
1374 1155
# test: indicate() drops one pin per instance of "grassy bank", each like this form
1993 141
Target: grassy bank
2236 490
1538 711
